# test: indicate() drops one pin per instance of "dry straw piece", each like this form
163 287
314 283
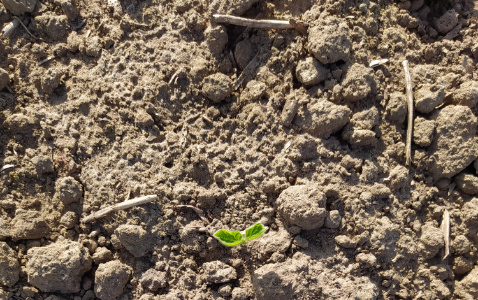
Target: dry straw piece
409 87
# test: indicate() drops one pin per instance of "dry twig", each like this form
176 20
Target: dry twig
198 211
445 229
8 29
25 27
409 87
125 204
263 24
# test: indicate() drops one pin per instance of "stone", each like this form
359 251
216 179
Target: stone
101 255
397 108
27 225
332 220
218 272
43 164
467 288
55 26
9 266
142 119
4 79
216 38
367 260
217 87
330 43
19 7
322 118
358 83
58 267
455 145
428 96
153 280
431 240
271 242
423 130
462 265
310 71
243 53
446 22
399 177
68 190
468 183
110 279
135 239
70 9
302 205
345 242
466 94
254 91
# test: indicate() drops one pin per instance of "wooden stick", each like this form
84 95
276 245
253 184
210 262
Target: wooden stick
125 204
263 24
198 211
409 87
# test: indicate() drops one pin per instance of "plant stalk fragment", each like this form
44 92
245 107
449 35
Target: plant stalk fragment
409 88
263 24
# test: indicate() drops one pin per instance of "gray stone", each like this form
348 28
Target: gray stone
19 7
333 219
310 71
431 240
455 145
428 96
68 190
28 224
58 267
468 183
9 266
302 205
330 43
135 239
243 53
446 22
423 130
216 38
110 279
4 79
218 272
358 83
217 87
322 118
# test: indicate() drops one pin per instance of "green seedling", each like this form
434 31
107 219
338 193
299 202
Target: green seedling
234 238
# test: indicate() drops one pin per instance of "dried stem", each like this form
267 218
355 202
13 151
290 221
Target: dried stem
409 87
125 204
263 24
445 228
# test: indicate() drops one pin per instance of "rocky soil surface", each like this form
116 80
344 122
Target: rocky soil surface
104 101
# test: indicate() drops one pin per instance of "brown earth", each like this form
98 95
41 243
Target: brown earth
288 127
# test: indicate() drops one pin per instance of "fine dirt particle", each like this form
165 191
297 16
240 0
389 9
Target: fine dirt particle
218 272
310 71
135 239
58 267
303 205
4 79
19 7
110 279
28 224
330 43
466 95
423 130
217 87
468 183
427 97
68 190
322 118
9 266
358 83
455 144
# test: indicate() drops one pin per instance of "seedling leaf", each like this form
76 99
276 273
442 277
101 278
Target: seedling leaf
228 238
255 231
